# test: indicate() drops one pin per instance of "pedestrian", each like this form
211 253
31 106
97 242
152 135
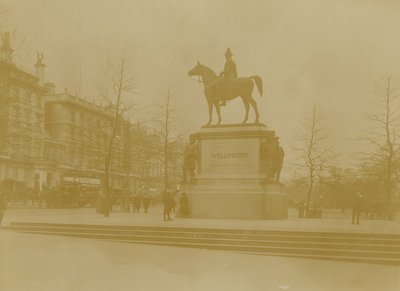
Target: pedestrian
172 202
302 206
137 201
146 202
184 204
357 208
167 206
2 205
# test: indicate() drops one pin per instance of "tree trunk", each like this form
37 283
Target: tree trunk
310 188
107 187
166 168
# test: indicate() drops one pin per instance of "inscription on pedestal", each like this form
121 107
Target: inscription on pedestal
229 157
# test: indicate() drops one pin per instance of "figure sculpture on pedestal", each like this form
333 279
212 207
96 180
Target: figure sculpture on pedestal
272 155
218 90
190 161
267 160
279 163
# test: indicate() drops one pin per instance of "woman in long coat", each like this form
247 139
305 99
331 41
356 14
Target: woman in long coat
184 204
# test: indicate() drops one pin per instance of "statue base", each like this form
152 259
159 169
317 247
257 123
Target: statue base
231 181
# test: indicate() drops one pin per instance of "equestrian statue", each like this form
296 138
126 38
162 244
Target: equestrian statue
227 86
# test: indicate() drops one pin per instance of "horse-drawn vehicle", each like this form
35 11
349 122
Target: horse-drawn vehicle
69 196
16 192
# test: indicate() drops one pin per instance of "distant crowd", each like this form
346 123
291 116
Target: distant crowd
359 205
75 195
58 196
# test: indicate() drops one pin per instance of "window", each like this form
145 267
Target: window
25 97
14 93
38 120
72 116
71 132
27 118
38 100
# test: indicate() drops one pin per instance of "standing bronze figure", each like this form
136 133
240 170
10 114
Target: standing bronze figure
219 89
190 161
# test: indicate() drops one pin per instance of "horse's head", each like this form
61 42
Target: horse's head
197 70
205 72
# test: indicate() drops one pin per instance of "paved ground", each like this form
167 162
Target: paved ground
46 263
39 262
332 221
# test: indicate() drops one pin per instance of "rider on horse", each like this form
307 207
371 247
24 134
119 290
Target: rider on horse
229 74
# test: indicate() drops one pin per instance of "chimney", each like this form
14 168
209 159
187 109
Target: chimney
40 68
6 52
51 88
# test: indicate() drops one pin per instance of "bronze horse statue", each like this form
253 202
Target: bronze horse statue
241 87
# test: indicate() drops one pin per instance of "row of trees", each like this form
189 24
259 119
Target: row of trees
117 91
376 174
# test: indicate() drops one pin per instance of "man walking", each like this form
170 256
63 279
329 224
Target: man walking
167 206
357 208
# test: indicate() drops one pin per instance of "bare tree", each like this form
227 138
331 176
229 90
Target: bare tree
3 81
3 16
384 137
168 131
115 91
313 151
21 53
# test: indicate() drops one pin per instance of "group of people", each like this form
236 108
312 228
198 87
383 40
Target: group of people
169 202
57 196
139 200
360 208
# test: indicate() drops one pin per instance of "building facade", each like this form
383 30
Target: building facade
21 120
49 138
78 133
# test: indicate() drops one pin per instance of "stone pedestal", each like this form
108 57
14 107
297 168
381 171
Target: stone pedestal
231 177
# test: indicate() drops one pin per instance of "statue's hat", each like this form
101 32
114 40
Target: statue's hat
228 52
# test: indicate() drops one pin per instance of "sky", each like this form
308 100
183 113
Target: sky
330 53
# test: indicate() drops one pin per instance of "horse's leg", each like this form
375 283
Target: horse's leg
210 110
254 104
246 106
218 109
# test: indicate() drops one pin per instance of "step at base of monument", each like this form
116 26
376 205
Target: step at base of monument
213 231
383 245
366 248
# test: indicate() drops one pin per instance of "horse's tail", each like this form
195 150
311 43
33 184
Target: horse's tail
259 84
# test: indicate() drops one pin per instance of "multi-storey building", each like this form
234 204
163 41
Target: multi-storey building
77 135
49 138
21 119
145 159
